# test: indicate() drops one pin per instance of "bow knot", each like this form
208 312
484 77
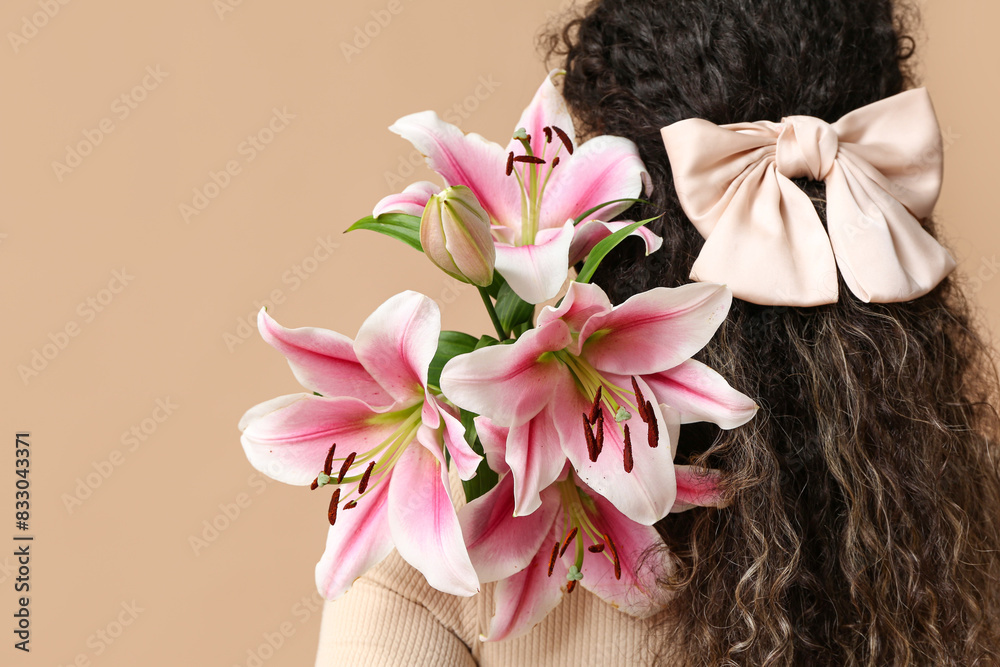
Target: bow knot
807 147
763 238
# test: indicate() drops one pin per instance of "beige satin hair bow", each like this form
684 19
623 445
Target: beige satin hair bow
882 165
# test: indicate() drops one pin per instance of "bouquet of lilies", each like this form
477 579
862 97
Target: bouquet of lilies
562 423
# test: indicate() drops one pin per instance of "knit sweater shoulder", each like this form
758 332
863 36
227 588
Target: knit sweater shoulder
392 617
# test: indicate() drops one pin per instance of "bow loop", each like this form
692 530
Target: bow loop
807 147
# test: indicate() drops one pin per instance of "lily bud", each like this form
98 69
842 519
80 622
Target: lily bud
455 234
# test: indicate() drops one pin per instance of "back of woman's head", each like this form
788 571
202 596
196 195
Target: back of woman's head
865 495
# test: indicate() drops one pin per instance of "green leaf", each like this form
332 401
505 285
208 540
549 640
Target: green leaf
485 478
450 345
487 341
512 309
400 226
597 208
602 249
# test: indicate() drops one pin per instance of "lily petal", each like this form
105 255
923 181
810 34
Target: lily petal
537 272
582 301
465 460
701 394
464 159
510 384
602 169
547 108
397 342
494 439
499 543
424 525
535 459
287 438
645 494
656 330
641 558
359 541
410 201
322 361
521 601
590 233
697 487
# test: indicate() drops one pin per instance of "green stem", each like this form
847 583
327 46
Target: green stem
493 314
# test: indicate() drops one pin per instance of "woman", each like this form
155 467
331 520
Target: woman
863 523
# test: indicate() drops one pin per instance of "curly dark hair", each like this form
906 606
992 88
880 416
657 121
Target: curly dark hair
865 496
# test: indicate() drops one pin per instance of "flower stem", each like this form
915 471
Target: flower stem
493 314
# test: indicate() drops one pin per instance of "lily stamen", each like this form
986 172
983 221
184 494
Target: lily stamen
569 539
331 513
571 586
600 436
350 504
548 134
555 163
596 548
614 555
597 410
328 464
591 440
363 486
552 558
510 163
348 462
628 449
563 137
528 159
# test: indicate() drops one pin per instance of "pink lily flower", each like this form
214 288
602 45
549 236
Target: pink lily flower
533 189
588 382
575 537
377 436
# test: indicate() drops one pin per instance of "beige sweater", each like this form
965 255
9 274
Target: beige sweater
392 617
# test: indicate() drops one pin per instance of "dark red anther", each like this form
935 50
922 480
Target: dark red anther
555 162
595 548
563 137
654 434
599 444
548 134
314 485
510 163
552 558
596 410
348 462
350 504
628 449
591 442
530 159
331 513
640 402
328 464
566 542
363 486
571 586
614 556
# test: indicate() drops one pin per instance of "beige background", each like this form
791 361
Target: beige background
114 516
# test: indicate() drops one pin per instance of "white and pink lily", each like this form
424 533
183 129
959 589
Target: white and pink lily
589 379
533 189
378 436
574 537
